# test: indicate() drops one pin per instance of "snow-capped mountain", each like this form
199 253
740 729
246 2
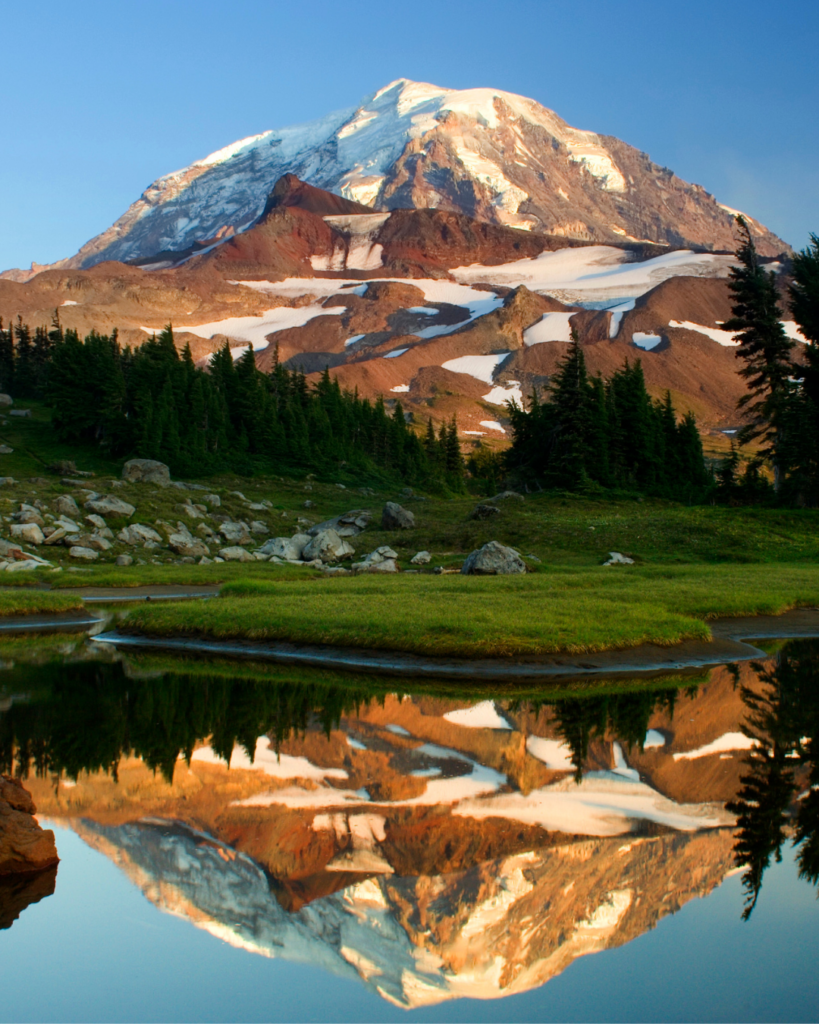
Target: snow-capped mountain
491 154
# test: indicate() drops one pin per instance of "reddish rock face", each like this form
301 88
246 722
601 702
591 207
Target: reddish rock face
24 846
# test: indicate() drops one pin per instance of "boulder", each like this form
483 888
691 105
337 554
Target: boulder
236 554
507 496
328 547
138 533
192 511
185 545
30 515
20 412
56 535
10 550
422 558
348 524
87 554
27 533
394 517
212 499
109 505
288 548
96 521
146 471
485 512
24 846
380 560
204 531
124 560
98 542
26 565
493 559
5 450
235 533
258 527
616 558
6 400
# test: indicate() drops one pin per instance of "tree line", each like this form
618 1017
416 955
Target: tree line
155 403
590 432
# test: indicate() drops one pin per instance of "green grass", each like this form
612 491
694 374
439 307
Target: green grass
33 602
560 611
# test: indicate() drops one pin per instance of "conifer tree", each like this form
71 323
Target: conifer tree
765 350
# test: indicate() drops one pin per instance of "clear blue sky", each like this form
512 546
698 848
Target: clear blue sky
101 98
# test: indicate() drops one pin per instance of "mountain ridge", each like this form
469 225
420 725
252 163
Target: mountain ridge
490 154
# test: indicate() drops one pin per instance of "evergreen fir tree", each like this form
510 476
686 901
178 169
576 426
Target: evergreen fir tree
765 350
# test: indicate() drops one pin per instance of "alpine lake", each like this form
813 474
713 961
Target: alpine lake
247 841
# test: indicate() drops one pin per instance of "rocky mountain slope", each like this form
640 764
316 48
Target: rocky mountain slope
495 156
451 314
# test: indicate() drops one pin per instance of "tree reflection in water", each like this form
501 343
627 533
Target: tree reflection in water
779 798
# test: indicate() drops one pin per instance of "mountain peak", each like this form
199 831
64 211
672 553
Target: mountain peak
491 154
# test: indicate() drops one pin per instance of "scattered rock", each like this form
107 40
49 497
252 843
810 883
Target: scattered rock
329 547
7 481
109 505
288 548
259 527
20 412
380 560
616 558
235 533
63 467
26 565
5 450
204 531
394 517
146 471
97 521
485 512
78 551
187 546
236 554
57 534
29 515
348 524
493 559
508 496
138 533
6 400
422 558
308 504
28 533
212 499
98 542
24 846
124 560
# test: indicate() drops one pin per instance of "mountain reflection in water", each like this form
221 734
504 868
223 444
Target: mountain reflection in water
432 847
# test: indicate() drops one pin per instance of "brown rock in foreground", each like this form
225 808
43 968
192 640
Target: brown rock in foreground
24 846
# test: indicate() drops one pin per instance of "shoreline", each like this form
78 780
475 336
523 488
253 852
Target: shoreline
730 643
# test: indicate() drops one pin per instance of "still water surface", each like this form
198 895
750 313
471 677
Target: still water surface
596 852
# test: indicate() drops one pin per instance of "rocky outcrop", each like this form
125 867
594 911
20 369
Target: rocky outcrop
328 546
493 559
24 846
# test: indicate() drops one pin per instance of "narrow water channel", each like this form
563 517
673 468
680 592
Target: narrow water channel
247 841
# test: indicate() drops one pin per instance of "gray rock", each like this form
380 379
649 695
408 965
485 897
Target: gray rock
146 471
24 566
7 481
6 400
422 558
98 542
64 523
20 412
507 496
394 517
8 549
192 511
124 560
204 531
97 521
204 560
288 548
616 558
212 499
29 515
348 524
308 504
87 554
56 536
259 527
328 547
138 533
493 559
235 533
380 560
186 546
388 565
109 505
5 450
28 533
236 554
485 512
